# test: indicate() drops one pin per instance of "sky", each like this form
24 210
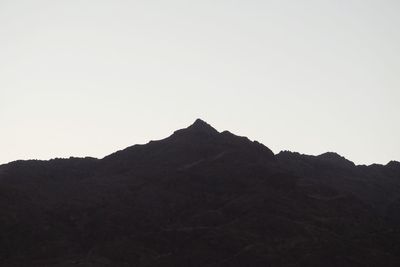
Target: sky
87 78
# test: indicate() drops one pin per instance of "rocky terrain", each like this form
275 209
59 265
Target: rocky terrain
200 198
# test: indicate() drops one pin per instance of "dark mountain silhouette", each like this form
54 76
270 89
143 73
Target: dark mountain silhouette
200 198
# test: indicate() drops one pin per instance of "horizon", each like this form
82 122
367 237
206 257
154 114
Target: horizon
201 121
89 78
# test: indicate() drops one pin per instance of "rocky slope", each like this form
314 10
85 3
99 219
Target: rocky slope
200 198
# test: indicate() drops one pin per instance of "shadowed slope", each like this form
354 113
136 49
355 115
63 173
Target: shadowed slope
199 198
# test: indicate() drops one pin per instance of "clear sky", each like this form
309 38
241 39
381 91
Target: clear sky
88 77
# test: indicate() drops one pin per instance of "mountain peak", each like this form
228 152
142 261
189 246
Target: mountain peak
394 164
202 126
335 158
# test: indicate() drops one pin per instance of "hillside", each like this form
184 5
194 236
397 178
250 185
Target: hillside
200 198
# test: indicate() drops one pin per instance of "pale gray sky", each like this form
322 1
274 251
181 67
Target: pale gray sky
85 78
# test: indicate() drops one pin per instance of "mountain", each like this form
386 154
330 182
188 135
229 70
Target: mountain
200 198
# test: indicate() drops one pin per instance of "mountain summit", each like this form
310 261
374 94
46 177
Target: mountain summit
199 198
200 125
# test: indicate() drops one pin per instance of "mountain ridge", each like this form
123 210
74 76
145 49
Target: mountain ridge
199 198
200 125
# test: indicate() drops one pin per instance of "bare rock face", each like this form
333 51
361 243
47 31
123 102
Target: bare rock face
200 198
